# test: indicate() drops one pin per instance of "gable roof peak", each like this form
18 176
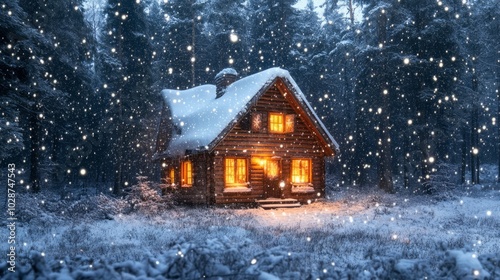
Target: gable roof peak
204 119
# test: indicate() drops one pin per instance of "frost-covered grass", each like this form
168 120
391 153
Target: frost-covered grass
359 233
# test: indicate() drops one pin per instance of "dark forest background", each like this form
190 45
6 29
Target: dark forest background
409 89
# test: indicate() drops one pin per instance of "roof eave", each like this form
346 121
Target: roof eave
212 145
331 146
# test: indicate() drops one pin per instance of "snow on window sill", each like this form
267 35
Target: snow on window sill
302 188
237 190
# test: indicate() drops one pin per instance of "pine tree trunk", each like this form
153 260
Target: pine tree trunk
193 38
359 152
498 115
474 158
475 137
424 161
384 169
347 155
406 163
55 155
464 157
34 126
350 8
117 182
118 154
384 166
498 120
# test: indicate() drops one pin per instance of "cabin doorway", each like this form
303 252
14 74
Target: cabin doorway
272 176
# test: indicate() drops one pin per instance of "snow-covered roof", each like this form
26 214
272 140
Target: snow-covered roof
203 119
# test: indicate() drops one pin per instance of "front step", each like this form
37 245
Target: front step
274 206
272 203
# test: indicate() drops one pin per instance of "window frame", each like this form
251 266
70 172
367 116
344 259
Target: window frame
235 173
171 175
286 125
186 174
281 123
293 174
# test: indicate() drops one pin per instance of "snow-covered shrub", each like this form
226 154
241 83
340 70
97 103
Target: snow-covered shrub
110 206
38 209
47 207
146 197
412 269
382 211
196 261
442 181
462 265
77 239
216 258
488 174
491 263
332 185
94 207
279 261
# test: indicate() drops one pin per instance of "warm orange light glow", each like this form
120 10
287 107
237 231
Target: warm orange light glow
276 121
236 171
301 170
282 184
289 123
272 168
171 175
259 160
281 123
187 173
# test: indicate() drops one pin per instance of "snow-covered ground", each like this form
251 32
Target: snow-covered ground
361 233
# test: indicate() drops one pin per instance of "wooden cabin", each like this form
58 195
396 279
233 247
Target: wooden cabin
243 140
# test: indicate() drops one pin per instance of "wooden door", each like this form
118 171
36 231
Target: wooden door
272 177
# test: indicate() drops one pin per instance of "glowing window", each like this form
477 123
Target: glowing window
171 176
272 169
281 123
187 174
301 171
276 121
236 171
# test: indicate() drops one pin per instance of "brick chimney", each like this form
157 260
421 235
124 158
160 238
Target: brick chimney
223 79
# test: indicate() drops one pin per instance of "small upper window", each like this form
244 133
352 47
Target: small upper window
281 123
276 122
187 174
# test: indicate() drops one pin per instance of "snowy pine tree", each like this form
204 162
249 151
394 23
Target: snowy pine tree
126 71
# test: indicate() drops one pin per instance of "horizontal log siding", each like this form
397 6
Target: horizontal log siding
198 192
302 143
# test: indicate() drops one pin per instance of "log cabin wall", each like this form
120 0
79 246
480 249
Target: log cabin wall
199 191
255 192
243 141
